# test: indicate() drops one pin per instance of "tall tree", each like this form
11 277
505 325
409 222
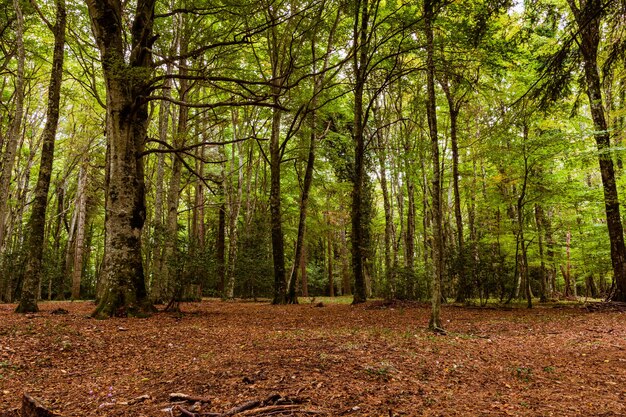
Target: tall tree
430 7
126 70
37 222
15 130
588 15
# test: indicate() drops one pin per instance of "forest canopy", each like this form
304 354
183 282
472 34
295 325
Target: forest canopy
156 152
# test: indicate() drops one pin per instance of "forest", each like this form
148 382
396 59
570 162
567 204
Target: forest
312 207
157 152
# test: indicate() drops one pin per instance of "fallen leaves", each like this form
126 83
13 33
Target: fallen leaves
339 359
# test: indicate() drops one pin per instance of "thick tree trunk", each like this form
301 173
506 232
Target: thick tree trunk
126 127
588 18
437 209
37 222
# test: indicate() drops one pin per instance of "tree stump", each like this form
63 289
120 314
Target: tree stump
32 407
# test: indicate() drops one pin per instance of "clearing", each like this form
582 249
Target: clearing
334 360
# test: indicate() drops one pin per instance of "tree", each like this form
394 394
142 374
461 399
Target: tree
588 15
126 70
37 221
430 7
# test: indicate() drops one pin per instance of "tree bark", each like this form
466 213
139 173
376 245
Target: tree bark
539 221
382 161
79 241
361 37
159 197
37 222
127 86
453 110
278 243
234 206
437 210
15 129
588 18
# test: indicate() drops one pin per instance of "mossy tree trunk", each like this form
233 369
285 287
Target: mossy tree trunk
37 221
127 82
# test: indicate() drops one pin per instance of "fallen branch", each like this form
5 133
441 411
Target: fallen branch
269 409
274 404
241 408
177 396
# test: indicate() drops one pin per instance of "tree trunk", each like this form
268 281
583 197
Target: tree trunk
304 284
588 17
79 241
304 200
539 221
159 197
329 247
15 129
127 86
382 161
453 110
37 222
234 207
437 210
521 204
361 37
278 244
220 242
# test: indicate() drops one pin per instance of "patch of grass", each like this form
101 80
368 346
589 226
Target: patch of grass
523 373
344 299
383 371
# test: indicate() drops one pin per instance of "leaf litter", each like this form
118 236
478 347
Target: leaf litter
242 358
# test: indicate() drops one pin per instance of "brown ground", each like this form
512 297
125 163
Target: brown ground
338 359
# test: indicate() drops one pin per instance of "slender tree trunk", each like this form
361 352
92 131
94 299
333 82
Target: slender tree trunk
453 110
345 263
588 17
437 209
521 203
15 129
329 247
126 127
159 198
278 244
220 242
234 207
304 200
539 221
37 222
361 37
382 161
79 241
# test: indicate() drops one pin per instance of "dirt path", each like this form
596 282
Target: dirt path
338 359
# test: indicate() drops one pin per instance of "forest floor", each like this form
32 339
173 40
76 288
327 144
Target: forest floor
368 360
